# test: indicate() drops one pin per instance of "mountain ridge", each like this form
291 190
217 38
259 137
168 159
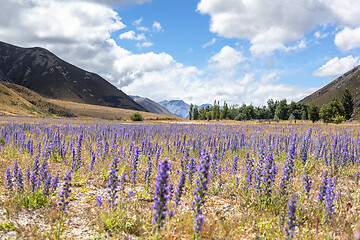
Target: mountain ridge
151 105
43 72
336 88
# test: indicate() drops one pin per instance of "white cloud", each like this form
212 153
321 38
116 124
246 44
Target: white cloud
131 36
157 26
211 42
80 33
144 45
274 25
336 67
348 38
139 27
227 59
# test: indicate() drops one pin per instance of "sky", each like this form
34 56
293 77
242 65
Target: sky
238 51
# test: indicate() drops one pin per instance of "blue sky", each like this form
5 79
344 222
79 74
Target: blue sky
239 51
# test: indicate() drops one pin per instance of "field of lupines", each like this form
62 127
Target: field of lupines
179 181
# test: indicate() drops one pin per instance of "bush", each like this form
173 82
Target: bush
338 119
136 117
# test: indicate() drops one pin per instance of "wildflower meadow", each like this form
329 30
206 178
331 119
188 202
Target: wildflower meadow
76 180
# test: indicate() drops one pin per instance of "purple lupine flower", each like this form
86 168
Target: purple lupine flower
180 188
304 148
329 199
249 166
35 178
235 164
9 181
113 182
291 222
199 193
161 193
323 187
237 182
98 201
134 165
307 180
47 185
44 171
65 193
289 167
55 182
18 177
270 172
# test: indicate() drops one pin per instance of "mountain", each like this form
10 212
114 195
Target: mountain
336 88
177 107
16 100
151 106
43 72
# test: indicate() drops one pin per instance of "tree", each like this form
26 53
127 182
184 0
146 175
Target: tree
191 111
348 104
216 110
225 111
209 115
304 112
195 113
281 111
314 113
272 107
202 113
331 110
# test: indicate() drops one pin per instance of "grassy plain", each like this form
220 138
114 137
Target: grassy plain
232 209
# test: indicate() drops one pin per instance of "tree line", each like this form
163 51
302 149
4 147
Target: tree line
335 111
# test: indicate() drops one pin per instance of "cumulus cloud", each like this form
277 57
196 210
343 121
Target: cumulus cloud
132 36
348 38
227 59
80 33
274 25
336 67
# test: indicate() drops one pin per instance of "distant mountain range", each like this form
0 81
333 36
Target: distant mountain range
179 107
151 105
43 72
336 88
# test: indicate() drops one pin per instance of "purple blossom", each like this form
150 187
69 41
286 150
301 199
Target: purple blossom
180 188
161 193
291 222
113 182
65 193
9 182
307 180
199 193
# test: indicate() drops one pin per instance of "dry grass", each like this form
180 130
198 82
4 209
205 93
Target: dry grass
230 212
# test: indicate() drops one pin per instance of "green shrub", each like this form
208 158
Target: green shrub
136 117
338 119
